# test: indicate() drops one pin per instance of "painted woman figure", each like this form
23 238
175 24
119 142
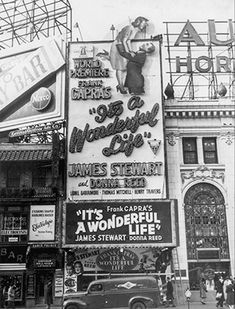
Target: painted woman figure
134 78
78 269
123 42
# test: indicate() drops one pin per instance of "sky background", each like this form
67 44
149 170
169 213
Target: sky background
95 17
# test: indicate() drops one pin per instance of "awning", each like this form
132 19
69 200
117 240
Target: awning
25 155
25 152
12 266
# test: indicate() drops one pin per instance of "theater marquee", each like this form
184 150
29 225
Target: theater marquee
115 137
121 223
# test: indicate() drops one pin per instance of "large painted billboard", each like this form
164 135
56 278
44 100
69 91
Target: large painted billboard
115 125
32 83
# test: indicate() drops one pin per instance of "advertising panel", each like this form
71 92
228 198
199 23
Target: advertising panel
116 260
42 223
115 131
59 282
32 84
120 223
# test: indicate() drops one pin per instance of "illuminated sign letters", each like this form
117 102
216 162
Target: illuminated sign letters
189 34
37 66
204 64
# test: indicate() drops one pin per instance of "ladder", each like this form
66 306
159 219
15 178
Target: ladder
177 274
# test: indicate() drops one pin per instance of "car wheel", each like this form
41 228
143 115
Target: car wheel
138 305
72 307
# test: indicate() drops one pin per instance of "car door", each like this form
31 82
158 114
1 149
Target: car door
95 296
116 297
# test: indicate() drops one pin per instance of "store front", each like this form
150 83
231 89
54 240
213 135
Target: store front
12 270
42 266
44 258
117 220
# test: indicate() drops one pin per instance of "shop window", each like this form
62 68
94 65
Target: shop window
17 279
13 227
13 177
190 150
209 150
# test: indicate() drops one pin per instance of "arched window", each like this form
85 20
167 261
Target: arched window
206 226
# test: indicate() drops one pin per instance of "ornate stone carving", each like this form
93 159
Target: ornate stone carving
228 137
202 173
171 137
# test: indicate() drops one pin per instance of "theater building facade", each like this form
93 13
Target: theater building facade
117 220
199 117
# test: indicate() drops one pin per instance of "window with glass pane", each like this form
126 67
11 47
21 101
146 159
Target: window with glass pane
13 177
209 150
190 150
13 225
39 177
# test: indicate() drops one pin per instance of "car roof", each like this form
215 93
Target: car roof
146 280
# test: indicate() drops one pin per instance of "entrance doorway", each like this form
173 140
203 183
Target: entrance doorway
42 277
207 235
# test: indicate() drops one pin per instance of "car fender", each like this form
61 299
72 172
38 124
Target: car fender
80 304
143 299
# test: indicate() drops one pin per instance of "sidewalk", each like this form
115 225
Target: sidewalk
198 305
191 305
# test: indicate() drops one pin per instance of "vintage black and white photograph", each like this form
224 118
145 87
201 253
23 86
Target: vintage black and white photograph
117 154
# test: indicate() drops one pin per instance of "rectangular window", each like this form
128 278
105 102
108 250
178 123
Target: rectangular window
39 177
209 150
208 254
13 177
13 227
190 150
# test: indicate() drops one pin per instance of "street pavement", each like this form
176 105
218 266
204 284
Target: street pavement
190 305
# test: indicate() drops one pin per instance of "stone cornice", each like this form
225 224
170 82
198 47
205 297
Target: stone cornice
199 113
199 109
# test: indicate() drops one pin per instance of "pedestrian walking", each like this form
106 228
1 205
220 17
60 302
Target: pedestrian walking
220 293
230 296
11 296
203 291
169 293
227 282
49 299
5 295
2 298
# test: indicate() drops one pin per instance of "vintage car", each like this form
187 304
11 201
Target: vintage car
127 292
